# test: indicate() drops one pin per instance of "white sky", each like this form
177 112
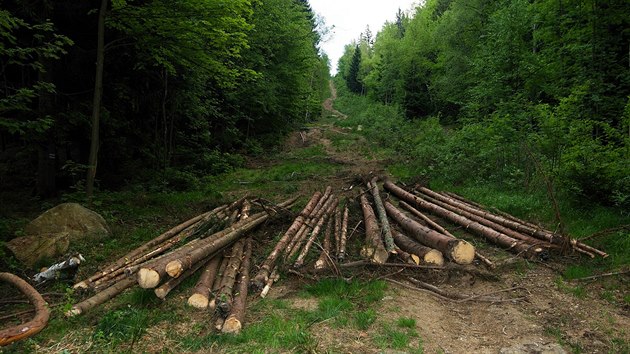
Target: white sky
350 17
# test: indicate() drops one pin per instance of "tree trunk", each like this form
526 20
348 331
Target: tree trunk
406 256
299 235
224 296
299 262
459 251
344 235
481 230
483 221
96 102
337 230
263 274
308 226
373 249
425 254
101 297
382 215
201 293
35 325
172 283
274 277
132 256
324 259
217 282
186 256
234 322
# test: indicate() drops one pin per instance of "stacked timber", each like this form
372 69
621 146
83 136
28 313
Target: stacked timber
195 245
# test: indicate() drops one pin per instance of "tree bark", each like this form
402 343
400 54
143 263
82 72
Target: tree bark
439 228
263 274
337 230
37 323
96 102
217 282
299 262
201 293
374 249
308 226
344 235
459 251
484 231
299 235
483 221
234 322
130 257
382 215
183 258
101 297
172 283
323 260
425 254
224 296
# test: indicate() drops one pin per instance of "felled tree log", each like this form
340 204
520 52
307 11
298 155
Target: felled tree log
459 251
297 240
406 256
216 286
35 325
373 249
310 225
439 228
187 256
201 293
537 233
224 296
172 283
483 221
382 215
263 274
344 234
101 297
323 260
145 248
337 230
274 277
425 254
234 322
484 231
299 262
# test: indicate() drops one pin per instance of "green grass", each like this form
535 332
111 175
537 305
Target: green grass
391 338
364 319
406 322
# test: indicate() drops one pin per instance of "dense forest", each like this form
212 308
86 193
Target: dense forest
151 92
532 93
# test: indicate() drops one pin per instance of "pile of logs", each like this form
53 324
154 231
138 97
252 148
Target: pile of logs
216 246
212 243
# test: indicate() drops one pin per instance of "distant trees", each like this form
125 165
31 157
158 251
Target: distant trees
352 80
185 86
544 76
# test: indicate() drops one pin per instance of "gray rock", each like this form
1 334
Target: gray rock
50 234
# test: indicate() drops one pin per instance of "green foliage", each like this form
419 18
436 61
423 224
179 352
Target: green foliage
406 322
364 319
122 326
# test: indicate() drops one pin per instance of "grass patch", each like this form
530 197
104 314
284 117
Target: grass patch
391 338
406 322
364 319
577 291
576 272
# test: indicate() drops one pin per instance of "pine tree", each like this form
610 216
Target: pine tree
353 82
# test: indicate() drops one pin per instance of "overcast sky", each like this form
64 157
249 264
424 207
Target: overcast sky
350 17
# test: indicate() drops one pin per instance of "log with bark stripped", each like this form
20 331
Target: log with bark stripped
344 234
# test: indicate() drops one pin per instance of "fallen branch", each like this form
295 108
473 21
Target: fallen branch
602 275
37 323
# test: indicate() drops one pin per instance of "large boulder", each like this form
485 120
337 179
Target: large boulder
50 234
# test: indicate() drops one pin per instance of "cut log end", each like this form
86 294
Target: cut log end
174 268
81 285
463 253
161 293
416 259
198 301
148 278
74 311
232 325
432 257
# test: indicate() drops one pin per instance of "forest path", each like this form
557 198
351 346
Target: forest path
555 317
